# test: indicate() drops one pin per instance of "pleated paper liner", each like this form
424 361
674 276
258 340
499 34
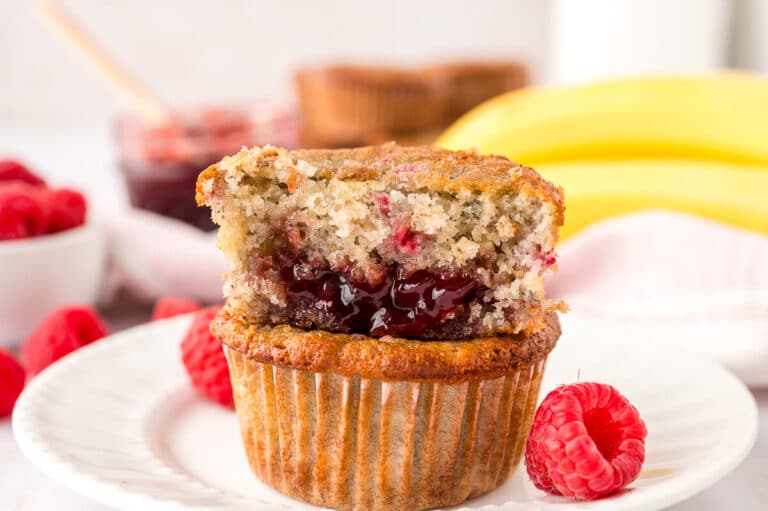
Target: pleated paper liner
469 83
366 444
353 104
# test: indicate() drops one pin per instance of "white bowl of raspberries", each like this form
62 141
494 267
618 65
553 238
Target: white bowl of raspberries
49 254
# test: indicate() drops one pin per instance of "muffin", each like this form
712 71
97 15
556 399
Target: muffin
413 242
362 423
353 105
386 326
349 105
469 83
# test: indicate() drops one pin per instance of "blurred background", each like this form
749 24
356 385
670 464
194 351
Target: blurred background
125 102
241 50
203 50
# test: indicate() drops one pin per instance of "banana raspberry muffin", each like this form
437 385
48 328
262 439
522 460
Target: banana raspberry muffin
411 242
386 327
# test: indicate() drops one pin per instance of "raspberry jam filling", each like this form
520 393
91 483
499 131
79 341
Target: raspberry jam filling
399 304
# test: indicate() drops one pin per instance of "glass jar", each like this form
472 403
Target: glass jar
160 162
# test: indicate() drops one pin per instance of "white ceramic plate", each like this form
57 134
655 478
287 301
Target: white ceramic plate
118 422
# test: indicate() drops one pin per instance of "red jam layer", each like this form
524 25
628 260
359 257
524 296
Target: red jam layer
399 304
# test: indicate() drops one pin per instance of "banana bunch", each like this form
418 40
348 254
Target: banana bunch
695 144
594 190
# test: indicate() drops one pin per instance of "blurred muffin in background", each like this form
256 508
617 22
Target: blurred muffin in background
348 105
354 105
160 162
469 83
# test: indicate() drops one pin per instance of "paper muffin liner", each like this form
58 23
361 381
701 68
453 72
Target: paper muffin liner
470 83
348 106
358 443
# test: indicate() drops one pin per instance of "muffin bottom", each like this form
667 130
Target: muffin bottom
355 443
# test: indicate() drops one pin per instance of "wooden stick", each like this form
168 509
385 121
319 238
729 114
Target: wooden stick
141 99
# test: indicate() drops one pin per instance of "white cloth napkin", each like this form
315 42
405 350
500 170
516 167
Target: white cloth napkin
674 280
153 256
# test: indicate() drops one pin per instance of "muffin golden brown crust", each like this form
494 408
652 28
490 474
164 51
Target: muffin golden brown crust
385 358
430 169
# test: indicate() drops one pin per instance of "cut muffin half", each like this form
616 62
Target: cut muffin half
414 242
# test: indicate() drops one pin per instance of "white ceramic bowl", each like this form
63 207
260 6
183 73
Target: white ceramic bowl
39 274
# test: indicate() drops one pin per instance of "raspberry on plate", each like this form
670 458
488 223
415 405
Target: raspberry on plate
11 382
587 441
23 213
64 330
11 170
204 359
169 306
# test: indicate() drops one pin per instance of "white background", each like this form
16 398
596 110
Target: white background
198 50
228 50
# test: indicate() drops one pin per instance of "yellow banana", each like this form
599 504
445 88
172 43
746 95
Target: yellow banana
736 194
720 117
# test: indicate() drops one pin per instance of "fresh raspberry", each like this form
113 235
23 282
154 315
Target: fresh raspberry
169 306
587 441
23 212
11 170
11 382
68 209
63 331
204 359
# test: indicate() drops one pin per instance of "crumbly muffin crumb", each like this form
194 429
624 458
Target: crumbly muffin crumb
479 231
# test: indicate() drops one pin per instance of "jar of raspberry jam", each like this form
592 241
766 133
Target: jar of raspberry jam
161 162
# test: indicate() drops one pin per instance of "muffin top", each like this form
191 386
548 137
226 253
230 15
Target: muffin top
386 358
405 168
